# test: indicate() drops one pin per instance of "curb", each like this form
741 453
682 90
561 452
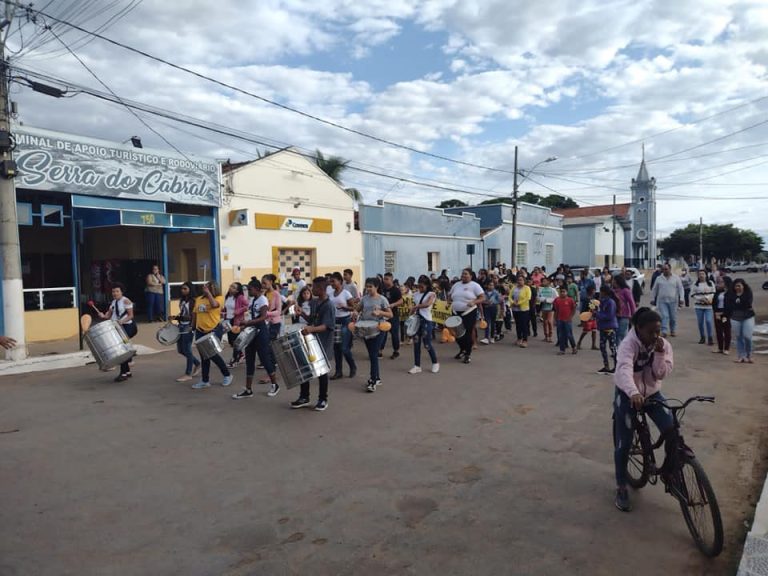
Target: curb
59 361
754 557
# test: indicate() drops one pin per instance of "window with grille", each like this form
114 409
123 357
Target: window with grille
549 255
390 259
433 261
521 255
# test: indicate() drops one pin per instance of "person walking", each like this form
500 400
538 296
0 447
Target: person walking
186 334
722 306
490 311
274 314
464 298
373 307
391 291
627 306
565 308
546 298
534 309
743 320
520 300
703 294
422 305
667 296
155 295
206 318
349 283
235 307
121 311
589 304
607 324
687 282
343 304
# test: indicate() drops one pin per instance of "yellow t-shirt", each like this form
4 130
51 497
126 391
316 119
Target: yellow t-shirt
207 318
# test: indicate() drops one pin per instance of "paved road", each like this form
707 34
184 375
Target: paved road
503 467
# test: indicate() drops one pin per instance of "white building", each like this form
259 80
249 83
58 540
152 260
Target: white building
588 235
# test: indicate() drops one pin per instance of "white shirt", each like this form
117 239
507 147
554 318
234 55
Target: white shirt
297 286
229 307
462 294
120 309
425 298
256 305
340 302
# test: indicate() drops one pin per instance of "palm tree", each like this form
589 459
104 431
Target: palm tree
452 203
333 166
354 193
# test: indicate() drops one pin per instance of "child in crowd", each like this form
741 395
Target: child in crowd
545 298
607 324
535 309
490 310
565 307
589 326
501 314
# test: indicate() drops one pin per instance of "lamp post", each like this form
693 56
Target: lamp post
515 189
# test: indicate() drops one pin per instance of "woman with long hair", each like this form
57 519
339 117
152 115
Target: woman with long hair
235 307
186 334
703 293
722 306
607 324
373 306
274 312
742 320
627 306
422 305
206 319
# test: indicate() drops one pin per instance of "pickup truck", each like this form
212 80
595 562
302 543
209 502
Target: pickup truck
735 267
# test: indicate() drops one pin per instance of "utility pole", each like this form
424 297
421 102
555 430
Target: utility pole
613 254
701 243
513 258
10 250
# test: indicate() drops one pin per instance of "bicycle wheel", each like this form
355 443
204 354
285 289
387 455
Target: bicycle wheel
699 506
638 462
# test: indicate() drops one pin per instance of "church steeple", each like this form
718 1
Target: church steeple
642 175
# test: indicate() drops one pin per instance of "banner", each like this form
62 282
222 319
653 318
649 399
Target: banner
440 310
77 165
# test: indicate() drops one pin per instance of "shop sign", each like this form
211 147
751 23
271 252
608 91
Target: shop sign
77 165
298 224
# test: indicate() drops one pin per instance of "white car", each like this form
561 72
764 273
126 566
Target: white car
743 267
636 274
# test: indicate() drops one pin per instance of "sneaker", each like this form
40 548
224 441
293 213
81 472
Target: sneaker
702 340
524 344
260 366
716 351
459 356
121 378
612 371
561 352
467 359
352 373
244 393
381 354
199 385
273 390
321 406
485 341
338 376
300 403
604 370
710 342
395 354
227 380
622 500
673 334
574 351
726 352
232 363
371 387
415 370
435 368
184 378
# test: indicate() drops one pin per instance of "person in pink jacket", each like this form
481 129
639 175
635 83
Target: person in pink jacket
644 360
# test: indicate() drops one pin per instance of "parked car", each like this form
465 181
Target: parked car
735 267
636 274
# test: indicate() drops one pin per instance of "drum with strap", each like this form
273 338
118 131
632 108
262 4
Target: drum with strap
168 335
245 337
208 346
456 325
299 358
412 325
367 329
109 344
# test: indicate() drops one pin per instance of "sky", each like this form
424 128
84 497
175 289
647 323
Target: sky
588 82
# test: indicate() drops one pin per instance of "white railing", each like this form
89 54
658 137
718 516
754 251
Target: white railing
41 292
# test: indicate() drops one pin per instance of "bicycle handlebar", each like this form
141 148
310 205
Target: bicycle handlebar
684 405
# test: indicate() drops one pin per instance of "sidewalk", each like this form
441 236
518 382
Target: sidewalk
61 354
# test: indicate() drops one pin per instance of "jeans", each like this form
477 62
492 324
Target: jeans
723 331
373 345
218 360
130 331
522 321
534 316
623 428
155 305
343 350
424 336
395 331
323 388
184 347
608 339
742 330
465 342
621 332
489 313
565 335
259 345
687 297
274 332
705 318
668 311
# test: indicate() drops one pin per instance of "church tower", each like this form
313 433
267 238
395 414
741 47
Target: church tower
643 237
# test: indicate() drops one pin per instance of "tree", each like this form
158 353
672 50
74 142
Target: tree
555 201
452 203
721 241
499 200
354 193
333 166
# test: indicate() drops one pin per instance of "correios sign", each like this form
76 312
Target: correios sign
299 224
61 162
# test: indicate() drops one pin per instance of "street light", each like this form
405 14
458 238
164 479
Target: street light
514 201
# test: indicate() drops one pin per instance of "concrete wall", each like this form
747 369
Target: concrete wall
45 325
579 243
289 185
412 232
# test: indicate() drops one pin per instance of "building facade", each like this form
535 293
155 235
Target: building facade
539 234
92 213
589 238
282 212
414 240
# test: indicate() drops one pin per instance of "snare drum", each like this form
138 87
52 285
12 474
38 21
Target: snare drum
168 334
245 337
412 325
208 346
299 358
456 325
367 329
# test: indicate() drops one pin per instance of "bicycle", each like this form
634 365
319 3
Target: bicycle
688 482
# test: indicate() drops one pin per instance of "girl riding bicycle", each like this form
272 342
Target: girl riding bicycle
644 360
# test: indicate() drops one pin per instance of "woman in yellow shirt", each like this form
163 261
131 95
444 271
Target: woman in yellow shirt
206 318
520 301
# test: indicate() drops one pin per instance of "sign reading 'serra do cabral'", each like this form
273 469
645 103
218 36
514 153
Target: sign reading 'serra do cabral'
53 161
